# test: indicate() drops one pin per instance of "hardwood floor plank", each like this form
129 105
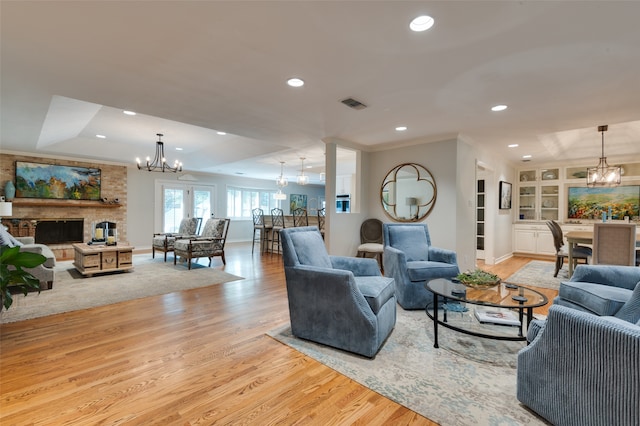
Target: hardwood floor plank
194 357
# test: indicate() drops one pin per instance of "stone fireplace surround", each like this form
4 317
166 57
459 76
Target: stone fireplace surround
113 186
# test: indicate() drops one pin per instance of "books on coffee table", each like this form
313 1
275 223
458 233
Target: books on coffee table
497 316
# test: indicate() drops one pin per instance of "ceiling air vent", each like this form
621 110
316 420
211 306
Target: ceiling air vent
352 103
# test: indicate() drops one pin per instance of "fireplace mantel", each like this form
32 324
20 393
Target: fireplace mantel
40 202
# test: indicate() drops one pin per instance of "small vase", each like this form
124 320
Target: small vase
9 190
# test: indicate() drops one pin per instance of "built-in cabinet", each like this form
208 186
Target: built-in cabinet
539 194
542 196
533 239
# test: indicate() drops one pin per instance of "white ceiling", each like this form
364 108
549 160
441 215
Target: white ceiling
190 69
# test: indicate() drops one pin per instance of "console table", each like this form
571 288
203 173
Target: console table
95 259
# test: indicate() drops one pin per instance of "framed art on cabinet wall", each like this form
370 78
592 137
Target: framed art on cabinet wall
505 195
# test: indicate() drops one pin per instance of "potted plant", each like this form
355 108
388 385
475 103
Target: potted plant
13 277
478 279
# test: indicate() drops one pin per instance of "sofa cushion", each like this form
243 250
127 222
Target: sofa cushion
603 300
310 249
376 290
6 239
428 270
630 311
412 240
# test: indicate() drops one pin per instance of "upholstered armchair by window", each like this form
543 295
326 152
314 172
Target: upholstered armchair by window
411 260
209 244
337 301
164 242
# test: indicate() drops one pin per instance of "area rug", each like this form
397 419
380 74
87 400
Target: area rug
71 291
467 381
540 274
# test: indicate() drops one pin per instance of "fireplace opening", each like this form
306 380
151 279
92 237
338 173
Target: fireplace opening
59 231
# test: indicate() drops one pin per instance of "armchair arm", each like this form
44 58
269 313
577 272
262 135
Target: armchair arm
581 365
442 255
360 267
617 276
394 262
26 240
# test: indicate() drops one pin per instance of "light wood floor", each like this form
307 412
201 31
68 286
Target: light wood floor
198 356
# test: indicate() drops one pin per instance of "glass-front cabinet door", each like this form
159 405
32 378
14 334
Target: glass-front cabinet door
527 202
549 202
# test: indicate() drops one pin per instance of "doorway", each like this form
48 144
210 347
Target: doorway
175 201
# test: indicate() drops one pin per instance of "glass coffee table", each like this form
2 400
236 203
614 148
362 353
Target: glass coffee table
495 313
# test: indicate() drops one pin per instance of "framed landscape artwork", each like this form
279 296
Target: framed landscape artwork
505 195
590 203
39 180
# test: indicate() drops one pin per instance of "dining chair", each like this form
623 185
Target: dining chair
371 239
261 229
277 225
614 244
300 217
579 252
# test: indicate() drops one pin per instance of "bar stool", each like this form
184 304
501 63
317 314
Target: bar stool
300 217
261 228
277 222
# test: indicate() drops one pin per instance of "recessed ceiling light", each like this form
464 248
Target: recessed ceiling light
401 128
526 156
222 133
178 149
499 108
513 145
295 82
421 23
101 136
129 112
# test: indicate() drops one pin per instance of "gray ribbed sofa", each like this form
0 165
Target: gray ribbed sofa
583 368
337 301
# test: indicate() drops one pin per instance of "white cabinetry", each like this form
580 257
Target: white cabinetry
533 239
538 194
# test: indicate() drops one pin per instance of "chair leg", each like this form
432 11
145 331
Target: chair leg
254 239
165 255
153 252
559 262
224 261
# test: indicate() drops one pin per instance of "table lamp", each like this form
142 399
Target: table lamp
6 209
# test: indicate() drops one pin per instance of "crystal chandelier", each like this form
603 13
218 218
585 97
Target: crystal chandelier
281 181
159 163
302 178
603 174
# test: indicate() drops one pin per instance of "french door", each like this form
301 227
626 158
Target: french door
176 201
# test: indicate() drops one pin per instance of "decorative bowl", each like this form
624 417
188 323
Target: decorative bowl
478 279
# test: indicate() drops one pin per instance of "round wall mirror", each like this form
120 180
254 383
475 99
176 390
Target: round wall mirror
408 193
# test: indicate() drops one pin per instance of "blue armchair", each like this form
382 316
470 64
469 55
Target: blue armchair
411 260
582 369
598 289
337 301
583 365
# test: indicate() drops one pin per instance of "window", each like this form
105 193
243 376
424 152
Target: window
241 201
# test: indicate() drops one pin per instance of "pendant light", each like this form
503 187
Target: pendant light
603 174
302 178
281 181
